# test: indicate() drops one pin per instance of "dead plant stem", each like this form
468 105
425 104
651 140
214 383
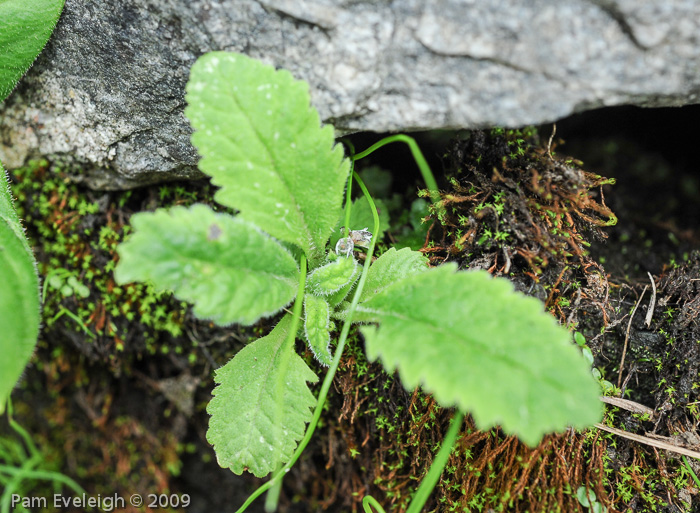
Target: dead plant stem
627 337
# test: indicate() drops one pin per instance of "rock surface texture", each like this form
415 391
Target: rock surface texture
108 91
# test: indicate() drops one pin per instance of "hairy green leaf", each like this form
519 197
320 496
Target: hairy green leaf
25 28
263 144
475 343
332 277
227 267
246 428
19 296
316 327
391 267
337 297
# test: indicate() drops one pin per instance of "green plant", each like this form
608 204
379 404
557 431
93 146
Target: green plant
605 385
19 297
22 464
469 339
587 499
24 30
691 471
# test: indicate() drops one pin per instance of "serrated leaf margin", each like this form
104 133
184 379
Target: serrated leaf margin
163 249
266 441
20 306
287 175
468 384
323 282
316 328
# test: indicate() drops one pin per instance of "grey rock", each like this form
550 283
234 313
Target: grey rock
108 92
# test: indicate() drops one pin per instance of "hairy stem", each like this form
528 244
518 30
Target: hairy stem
430 481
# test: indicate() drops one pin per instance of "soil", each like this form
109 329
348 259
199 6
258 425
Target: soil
116 394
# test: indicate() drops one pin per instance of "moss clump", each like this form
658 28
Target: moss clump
75 234
511 199
121 372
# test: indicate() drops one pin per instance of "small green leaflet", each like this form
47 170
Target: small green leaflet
245 428
474 343
227 267
262 143
337 297
316 321
19 296
332 277
25 27
391 267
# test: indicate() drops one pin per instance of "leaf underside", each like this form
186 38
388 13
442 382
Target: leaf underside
19 296
263 145
316 331
228 268
250 427
25 27
474 343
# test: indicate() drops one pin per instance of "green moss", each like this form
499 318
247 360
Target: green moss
509 194
75 234
96 386
635 476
